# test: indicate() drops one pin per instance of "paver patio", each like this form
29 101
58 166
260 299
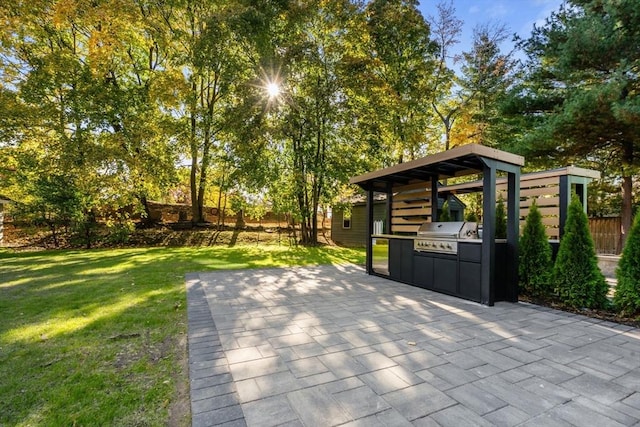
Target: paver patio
330 345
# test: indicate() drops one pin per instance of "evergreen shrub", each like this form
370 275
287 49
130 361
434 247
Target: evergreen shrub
536 262
627 296
471 217
579 281
445 216
501 219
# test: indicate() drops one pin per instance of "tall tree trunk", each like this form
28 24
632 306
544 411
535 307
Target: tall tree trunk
193 177
203 181
220 201
146 221
627 190
627 206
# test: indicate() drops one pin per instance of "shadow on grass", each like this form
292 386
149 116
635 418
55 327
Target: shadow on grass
104 324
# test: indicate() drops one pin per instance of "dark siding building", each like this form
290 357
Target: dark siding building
350 229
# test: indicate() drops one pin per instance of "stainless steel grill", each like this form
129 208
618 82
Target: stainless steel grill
443 237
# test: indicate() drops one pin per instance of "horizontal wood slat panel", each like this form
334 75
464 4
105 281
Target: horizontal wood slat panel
405 228
553 210
540 201
415 195
540 182
527 182
408 221
553 233
550 221
415 204
552 191
410 212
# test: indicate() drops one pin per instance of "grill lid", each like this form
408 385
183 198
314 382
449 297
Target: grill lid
456 230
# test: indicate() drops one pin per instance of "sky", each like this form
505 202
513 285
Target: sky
519 16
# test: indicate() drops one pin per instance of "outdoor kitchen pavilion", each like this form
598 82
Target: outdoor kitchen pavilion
472 272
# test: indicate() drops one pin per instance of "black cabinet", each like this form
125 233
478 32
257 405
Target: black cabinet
445 274
455 274
434 271
470 280
423 271
470 252
401 260
470 270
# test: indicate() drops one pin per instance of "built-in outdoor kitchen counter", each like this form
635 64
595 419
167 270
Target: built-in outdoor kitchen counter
472 266
455 274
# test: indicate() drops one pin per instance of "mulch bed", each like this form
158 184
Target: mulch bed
601 314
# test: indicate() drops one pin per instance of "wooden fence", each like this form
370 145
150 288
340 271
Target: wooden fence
606 233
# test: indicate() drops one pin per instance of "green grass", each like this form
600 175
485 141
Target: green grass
97 337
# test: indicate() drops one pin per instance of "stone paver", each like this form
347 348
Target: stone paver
330 345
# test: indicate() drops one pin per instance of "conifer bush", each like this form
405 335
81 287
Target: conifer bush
501 219
536 263
445 216
627 296
471 217
579 281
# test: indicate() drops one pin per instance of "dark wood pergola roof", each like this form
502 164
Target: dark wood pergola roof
459 161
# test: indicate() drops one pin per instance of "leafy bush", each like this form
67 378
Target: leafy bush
535 256
501 219
579 281
120 229
627 297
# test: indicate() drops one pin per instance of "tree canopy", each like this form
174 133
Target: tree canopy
579 94
121 102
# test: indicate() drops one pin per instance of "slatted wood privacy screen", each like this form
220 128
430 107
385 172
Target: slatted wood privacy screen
544 189
411 206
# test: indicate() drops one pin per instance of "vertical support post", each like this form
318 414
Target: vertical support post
581 191
565 199
388 225
434 198
513 233
580 184
487 274
369 231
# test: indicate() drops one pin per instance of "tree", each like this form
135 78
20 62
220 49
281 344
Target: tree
214 56
486 77
581 94
311 142
535 266
446 29
49 63
87 91
403 62
579 281
472 97
627 296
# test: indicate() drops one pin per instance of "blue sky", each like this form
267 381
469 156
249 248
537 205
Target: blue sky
519 16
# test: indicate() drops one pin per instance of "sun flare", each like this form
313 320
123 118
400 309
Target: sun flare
273 89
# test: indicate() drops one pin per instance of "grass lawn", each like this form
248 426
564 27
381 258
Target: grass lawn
99 337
